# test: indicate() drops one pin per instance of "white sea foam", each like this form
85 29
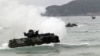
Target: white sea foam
4 46
69 44
80 25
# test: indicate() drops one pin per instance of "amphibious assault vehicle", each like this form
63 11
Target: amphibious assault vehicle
71 25
33 38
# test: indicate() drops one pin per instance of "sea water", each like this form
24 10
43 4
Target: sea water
82 40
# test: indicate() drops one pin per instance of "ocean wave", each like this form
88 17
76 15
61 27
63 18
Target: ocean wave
4 46
56 46
68 45
81 25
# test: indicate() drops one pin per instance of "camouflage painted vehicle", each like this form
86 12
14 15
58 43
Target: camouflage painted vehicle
38 39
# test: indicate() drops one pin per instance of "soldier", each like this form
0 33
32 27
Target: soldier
30 33
36 33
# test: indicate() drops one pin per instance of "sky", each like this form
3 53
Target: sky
44 3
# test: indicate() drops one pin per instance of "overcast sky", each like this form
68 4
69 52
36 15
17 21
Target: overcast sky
45 2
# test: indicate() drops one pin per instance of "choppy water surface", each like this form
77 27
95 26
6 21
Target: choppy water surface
83 40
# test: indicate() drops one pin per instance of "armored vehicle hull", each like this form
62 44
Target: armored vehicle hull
71 25
36 40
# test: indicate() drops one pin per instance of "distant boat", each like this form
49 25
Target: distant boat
93 17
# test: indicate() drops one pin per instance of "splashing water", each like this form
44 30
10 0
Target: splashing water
54 25
21 17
